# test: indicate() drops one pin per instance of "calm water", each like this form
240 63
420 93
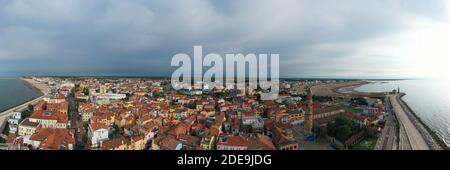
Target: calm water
13 92
429 98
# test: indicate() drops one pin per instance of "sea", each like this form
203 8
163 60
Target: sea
14 92
428 98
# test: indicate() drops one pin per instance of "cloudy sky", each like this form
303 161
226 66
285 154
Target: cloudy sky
315 38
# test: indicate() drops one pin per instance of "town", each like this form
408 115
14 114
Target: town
90 113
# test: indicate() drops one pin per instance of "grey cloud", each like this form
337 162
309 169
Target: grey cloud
139 37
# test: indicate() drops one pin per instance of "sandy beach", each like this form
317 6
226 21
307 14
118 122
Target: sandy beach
41 88
342 89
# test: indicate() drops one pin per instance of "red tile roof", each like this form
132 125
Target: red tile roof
114 143
54 139
234 141
27 122
11 137
48 115
214 131
260 142
96 125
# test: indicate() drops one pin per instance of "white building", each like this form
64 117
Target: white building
53 100
86 116
98 132
16 115
107 98
26 127
255 121
13 128
15 118
67 85
370 110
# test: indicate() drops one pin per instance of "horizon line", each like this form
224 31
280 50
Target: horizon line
281 78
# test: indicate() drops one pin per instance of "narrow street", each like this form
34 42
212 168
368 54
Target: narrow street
73 118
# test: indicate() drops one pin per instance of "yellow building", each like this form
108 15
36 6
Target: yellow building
103 89
207 143
137 143
126 121
296 116
208 113
127 105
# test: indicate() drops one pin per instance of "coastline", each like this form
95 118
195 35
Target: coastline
40 93
29 85
331 89
40 89
432 139
348 90
430 135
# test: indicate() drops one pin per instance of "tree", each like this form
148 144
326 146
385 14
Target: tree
80 100
86 127
127 96
85 91
322 98
26 113
30 107
342 128
358 102
331 129
192 105
340 121
368 132
157 95
6 129
343 132
84 139
115 131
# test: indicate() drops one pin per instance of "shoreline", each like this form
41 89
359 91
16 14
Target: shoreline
31 86
435 141
4 115
349 90
330 89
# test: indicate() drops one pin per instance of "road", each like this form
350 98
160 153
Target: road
389 136
409 136
73 117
